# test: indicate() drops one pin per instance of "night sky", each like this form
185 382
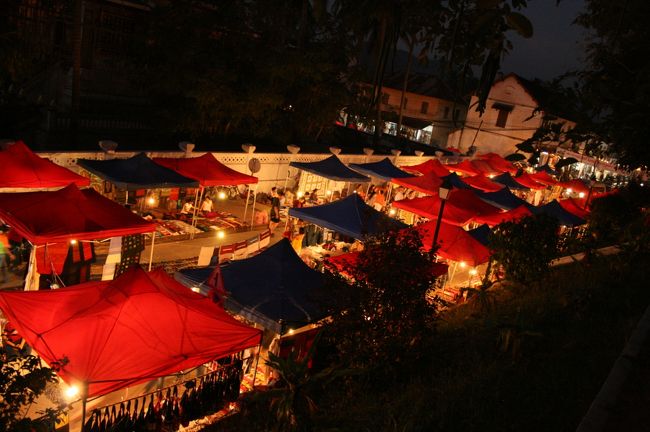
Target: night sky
556 45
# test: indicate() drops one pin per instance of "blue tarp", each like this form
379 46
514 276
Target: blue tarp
504 199
275 289
331 168
350 216
137 172
554 209
507 180
384 169
481 234
455 181
546 168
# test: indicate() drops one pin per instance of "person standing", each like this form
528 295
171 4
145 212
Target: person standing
206 205
5 255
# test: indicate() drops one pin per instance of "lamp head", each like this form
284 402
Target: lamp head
445 189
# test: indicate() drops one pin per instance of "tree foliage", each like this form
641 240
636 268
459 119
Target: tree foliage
525 248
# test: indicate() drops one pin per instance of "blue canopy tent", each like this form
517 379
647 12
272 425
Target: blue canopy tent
275 289
503 199
554 209
350 216
137 172
482 234
384 170
331 168
546 169
455 181
507 180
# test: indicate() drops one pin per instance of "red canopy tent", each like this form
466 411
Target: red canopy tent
207 170
428 183
576 185
499 163
508 216
345 262
465 167
575 207
456 244
528 181
118 333
431 166
483 183
485 167
21 169
544 178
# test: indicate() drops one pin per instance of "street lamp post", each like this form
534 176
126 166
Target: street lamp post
443 193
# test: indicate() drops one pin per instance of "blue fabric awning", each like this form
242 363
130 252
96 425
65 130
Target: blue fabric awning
275 289
504 199
554 209
384 169
137 172
331 168
507 180
455 181
482 234
350 216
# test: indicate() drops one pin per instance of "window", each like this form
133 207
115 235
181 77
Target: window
503 112
385 98
446 114
425 108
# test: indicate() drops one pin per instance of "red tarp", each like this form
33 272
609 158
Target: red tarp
21 168
461 207
508 216
207 170
499 163
465 167
346 262
428 183
456 244
576 185
529 182
67 214
483 183
129 330
485 167
575 207
544 178
431 166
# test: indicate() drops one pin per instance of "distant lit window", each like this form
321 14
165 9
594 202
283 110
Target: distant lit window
425 107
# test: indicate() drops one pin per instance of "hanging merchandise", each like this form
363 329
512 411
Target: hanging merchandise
132 246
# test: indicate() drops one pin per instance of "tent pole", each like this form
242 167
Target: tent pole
253 208
198 192
31 278
390 192
453 272
257 360
126 200
248 197
286 180
83 406
153 240
330 191
348 189
367 191
286 224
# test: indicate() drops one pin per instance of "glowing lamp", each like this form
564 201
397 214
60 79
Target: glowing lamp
569 190
151 201
196 289
329 192
473 271
300 194
222 195
462 264
73 242
581 194
72 392
221 234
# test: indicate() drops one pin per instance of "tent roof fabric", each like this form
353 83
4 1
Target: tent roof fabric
464 167
543 177
112 333
499 163
483 183
530 182
494 219
431 166
456 244
207 170
350 216
384 169
482 234
575 207
274 289
344 262
456 182
137 172
507 180
428 183
331 168
554 209
23 169
67 214
575 185
503 199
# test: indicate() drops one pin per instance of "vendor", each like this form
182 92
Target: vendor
206 205
187 207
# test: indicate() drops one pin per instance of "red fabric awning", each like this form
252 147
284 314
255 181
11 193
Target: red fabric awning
465 167
499 163
544 178
494 219
485 167
483 183
526 180
21 168
67 214
428 183
431 166
456 244
346 263
575 207
129 330
207 170
576 185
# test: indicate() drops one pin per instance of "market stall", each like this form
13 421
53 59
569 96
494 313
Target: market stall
384 170
555 210
576 207
511 182
430 166
483 183
23 170
348 265
55 221
493 219
544 178
498 163
456 244
503 199
529 181
326 171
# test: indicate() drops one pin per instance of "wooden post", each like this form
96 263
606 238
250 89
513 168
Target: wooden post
153 240
253 208
257 360
83 406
